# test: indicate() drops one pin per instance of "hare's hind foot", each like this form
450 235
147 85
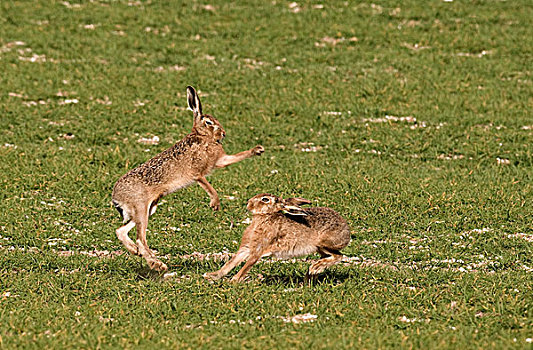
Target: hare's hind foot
156 264
329 258
150 257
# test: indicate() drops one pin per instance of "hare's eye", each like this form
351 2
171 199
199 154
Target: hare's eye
265 199
208 122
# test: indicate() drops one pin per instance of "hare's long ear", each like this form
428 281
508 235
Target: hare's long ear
294 210
194 102
297 201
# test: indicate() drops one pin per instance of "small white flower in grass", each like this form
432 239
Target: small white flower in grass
90 26
294 7
412 320
169 275
34 58
176 68
503 161
450 157
524 236
68 101
105 101
415 47
139 103
478 55
529 340
67 136
301 318
275 171
149 141
77 313
106 319
69 5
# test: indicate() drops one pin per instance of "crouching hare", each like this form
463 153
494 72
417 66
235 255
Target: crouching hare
136 194
281 228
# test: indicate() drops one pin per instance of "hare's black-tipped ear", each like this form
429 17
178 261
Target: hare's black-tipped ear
194 101
298 201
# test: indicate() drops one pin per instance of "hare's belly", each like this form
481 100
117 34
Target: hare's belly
177 185
293 251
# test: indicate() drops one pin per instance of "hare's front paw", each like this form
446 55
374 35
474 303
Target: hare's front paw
258 150
213 276
215 204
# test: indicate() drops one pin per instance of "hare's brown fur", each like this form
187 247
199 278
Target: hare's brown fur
281 228
190 160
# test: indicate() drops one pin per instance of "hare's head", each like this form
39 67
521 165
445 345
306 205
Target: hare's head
203 124
264 204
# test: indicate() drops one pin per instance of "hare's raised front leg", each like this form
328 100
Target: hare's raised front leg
241 255
213 195
226 160
252 259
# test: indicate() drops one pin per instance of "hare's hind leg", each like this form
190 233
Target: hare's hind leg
122 234
144 250
239 257
329 257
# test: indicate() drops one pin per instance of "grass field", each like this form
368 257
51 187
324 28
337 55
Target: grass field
411 118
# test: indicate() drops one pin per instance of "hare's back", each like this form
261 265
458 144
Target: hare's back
333 229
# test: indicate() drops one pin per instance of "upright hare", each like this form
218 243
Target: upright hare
136 194
281 228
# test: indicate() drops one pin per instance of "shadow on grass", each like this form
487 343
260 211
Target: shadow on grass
145 273
327 278
272 278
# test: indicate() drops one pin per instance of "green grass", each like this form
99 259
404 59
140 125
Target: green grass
434 213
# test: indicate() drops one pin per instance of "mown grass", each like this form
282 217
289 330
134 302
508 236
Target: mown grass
435 205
